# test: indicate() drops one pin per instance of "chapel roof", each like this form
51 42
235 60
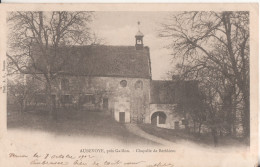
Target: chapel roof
139 33
105 60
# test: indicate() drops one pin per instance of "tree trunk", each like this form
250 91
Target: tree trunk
200 128
21 108
242 82
229 121
194 127
234 123
24 105
49 102
215 136
227 107
246 118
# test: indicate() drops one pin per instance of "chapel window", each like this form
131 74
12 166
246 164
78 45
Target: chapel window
123 83
139 85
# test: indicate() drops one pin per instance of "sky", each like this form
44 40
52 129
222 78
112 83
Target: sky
119 28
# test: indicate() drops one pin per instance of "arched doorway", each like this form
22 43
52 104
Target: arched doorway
158 117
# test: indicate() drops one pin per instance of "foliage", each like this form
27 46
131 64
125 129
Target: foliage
22 91
213 47
36 39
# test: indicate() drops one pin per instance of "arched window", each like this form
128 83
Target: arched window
139 85
65 85
123 83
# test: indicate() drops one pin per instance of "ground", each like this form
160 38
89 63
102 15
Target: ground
82 124
33 132
178 136
101 125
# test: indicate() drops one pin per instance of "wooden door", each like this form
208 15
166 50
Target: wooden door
154 119
122 117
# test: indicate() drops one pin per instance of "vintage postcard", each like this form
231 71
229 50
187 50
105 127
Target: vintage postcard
129 85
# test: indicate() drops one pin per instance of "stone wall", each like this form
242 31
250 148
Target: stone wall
132 98
172 116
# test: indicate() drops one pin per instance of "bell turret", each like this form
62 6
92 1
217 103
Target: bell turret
139 39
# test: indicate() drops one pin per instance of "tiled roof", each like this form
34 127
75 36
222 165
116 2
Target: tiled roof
103 60
173 92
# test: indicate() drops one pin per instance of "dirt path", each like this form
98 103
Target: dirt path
133 128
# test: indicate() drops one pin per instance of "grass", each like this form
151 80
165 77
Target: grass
181 135
75 123
102 125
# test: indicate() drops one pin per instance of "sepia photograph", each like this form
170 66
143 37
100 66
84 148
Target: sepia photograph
171 80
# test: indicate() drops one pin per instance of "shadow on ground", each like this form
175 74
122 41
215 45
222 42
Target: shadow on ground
101 125
94 124
182 136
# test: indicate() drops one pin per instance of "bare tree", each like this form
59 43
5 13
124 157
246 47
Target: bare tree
216 44
23 91
37 39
